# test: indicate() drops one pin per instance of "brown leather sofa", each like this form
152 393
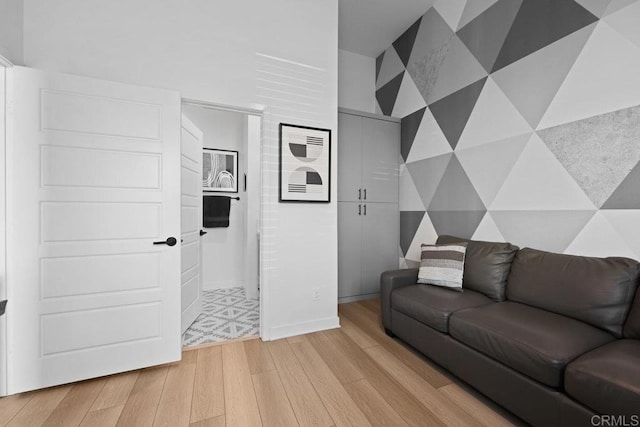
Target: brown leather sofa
553 338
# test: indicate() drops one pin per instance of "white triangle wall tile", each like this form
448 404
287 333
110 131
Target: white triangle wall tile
451 11
425 234
494 118
488 230
603 79
616 5
473 9
627 223
409 198
429 140
391 66
539 182
599 239
409 99
488 165
627 22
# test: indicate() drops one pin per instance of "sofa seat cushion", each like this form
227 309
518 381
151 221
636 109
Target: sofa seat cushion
433 305
607 379
534 342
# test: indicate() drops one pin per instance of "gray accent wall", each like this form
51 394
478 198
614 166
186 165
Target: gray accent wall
521 123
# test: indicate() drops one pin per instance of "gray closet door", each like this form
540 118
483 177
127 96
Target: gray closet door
349 252
380 237
349 157
380 156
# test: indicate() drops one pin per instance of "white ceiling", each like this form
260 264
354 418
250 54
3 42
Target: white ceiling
368 27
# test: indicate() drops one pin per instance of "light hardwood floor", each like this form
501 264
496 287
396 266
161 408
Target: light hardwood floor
354 375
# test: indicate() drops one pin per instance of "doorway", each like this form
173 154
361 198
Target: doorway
228 298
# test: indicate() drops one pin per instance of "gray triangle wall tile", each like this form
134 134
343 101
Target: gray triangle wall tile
409 224
387 94
408 129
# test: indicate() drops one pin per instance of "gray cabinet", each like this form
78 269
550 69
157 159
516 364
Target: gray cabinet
368 213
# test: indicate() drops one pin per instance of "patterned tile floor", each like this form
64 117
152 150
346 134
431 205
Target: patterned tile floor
226 314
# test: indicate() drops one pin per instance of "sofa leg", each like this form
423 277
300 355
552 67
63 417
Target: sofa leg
389 333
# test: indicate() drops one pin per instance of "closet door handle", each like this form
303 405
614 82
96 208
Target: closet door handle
202 232
365 194
359 209
171 241
365 210
359 193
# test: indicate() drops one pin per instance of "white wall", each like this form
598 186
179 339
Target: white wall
223 248
356 81
252 207
11 30
281 55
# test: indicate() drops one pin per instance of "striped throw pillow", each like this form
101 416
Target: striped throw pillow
442 265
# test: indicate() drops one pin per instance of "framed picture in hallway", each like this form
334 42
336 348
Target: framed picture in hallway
219 170
305 164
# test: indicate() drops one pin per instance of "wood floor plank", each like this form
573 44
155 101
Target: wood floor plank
479 410
42 404
208 390
374 407
371 304
410 409
115 391
240 404
11 405
363 339
369 324
140 408
174 408
275 409
343 368
306 404
430 397
107 417
218 421
258 357
341 407
76 403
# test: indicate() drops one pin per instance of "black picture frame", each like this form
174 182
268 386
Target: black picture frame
312 139
209 183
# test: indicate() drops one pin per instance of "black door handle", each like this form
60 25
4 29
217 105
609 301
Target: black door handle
171 241
202 232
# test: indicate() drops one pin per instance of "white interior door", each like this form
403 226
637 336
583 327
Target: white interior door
92 182
191 183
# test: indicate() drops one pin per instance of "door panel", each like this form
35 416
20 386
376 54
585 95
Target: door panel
349 251
191 176
92 182
349 157
380 240
380 160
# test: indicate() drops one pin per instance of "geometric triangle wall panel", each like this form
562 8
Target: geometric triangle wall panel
430 141
546 230
488 230
455 191
409 199
599 239
379 60
403 46
409 223
598 152
627 195
626 222
451 11
473 9
485 35
424 234
387 94
626 22
532 83
539 182
408 130
409 99
461 224
427 174
391 66
453 111
604 78
597 7
540 23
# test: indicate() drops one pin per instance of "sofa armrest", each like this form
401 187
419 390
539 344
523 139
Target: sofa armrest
390 280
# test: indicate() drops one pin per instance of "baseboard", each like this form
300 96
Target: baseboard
303 328
355 298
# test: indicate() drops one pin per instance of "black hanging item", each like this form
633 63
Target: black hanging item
215 211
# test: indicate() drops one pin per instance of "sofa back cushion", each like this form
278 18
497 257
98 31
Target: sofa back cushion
632 325
598 291
486 265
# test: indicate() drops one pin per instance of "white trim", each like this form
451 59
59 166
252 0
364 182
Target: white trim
368 115
4 62
4 118
303 328
223 107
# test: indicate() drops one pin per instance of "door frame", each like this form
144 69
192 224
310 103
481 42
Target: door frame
262 260
5 64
